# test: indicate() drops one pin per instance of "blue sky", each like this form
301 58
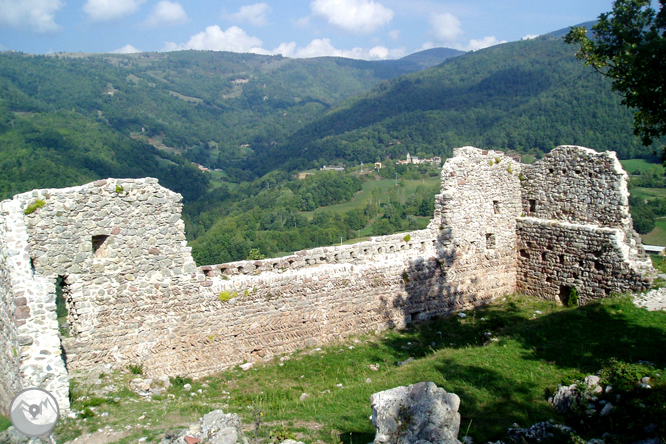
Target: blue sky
364 29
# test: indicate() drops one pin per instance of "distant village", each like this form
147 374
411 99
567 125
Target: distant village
416 161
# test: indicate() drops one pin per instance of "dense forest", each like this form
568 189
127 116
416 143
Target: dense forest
528 96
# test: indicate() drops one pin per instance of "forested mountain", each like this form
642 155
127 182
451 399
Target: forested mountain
528 96
213 108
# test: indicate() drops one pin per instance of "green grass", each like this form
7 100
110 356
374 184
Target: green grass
363 197
656 236
4 423
648 193
499 383
631 165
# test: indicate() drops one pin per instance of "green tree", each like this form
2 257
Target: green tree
629 46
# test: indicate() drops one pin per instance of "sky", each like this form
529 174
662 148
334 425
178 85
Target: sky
361 29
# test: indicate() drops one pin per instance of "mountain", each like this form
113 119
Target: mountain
212 108
528 96
423 59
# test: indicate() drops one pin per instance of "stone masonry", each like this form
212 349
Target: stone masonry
116 251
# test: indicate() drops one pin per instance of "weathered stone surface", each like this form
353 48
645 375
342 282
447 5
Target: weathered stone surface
420 413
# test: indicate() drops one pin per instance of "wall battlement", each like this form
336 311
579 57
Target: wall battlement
116 251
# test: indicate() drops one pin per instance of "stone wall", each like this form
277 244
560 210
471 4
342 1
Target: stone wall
32 354
475 218
10 381
117 251
576 230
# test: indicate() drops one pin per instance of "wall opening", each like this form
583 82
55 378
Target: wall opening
491 241
565 294
97 244
532 203
62 300
496 207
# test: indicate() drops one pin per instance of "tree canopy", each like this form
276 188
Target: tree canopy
629 46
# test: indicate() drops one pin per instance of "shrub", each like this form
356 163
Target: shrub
407 238
180 381
281 434
136 369
119 189
33 207
87 413
225 296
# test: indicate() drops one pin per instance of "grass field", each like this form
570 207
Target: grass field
648 193
656 236
539 344
631 165
363 197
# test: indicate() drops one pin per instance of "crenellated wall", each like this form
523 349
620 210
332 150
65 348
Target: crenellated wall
116 250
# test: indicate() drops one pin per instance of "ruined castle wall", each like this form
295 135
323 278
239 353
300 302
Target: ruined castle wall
475 216
30 326
576 230
188 329
117 251
10 381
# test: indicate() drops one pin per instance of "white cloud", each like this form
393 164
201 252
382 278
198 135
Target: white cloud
127 49
395 34
324 48
362 16
530 36
215 39
256 14
37 15
485 42
302 23
103 10
445 28
166 13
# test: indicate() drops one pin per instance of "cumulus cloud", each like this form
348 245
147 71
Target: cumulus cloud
324 48
37 15
363 16
127 49
485 42
395 34
166 13
256 14
530 36
215 39
445 28
103 10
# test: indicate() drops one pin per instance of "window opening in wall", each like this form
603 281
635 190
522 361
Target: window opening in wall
561 258
496 207
490 240
61 300
544 257
565 294
532 203
523 253
97 242
32 265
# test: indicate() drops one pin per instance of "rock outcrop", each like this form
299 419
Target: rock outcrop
420 413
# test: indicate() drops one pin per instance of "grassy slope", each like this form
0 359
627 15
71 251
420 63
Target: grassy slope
499 383
363 197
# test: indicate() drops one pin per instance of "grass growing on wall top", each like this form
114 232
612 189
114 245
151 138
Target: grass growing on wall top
499 382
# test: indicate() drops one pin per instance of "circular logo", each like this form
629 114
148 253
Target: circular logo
34 412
